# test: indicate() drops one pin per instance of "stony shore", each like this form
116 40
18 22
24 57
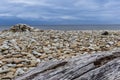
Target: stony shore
22 49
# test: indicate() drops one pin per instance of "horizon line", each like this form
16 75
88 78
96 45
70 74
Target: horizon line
64 24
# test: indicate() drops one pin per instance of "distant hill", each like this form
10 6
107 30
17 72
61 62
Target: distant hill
15 20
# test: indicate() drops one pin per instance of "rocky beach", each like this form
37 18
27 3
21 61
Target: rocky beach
23 48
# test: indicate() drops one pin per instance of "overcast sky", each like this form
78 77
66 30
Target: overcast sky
64 11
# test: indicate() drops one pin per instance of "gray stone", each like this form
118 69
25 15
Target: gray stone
2 70
19 71
36 53
11 65
4 47
110 43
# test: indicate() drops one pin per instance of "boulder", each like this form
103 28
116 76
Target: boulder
105 33
97 66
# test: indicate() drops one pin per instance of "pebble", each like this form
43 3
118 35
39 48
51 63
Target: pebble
111 42
107 46
9 76
11 65
20 65
1 62
4 70
36 53
19 71
118 43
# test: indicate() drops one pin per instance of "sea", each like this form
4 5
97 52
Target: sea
73 27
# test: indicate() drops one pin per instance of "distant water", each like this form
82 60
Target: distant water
73 27
4 27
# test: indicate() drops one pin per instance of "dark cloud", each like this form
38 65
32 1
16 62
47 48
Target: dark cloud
62 10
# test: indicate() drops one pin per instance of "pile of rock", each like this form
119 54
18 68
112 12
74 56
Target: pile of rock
20 28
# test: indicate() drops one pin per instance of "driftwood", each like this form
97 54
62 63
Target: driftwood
99 66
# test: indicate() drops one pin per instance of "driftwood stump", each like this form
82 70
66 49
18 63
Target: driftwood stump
99 66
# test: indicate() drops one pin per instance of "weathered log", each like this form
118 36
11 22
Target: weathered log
99 66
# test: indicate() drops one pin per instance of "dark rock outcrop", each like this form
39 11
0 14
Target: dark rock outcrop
100 66
105 33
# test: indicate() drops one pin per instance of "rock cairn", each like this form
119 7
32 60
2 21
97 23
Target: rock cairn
23 48
20 28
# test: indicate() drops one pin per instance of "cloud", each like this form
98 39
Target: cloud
30 2
79 10
5 14
85 4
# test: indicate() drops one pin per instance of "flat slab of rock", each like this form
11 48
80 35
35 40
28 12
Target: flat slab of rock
99 66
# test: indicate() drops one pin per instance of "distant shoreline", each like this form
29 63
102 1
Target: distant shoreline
73 27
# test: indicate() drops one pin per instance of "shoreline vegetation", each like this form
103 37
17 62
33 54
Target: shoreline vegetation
23 47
